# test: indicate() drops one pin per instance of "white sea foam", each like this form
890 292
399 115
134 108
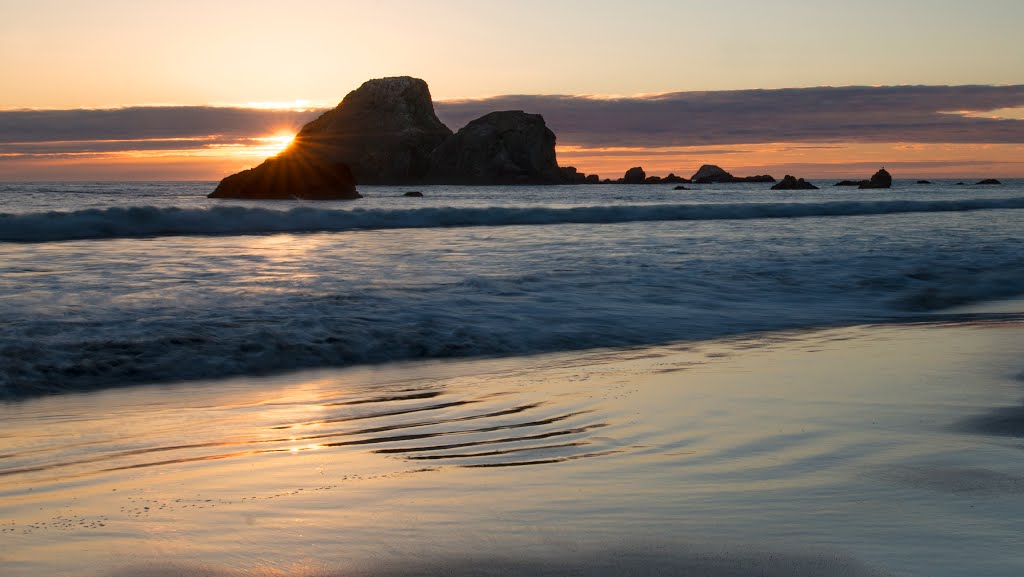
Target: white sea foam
148 221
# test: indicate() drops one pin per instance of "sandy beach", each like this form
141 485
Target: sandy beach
848 451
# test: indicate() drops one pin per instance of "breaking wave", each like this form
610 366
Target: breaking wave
238 220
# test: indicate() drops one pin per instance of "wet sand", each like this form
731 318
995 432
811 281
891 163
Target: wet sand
868 450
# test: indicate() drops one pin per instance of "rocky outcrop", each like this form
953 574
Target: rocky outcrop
673 179
711 174
990 181
680 187
510 147
291 175
635 175
385 130
793 183
572 176
924 182
382 133
413 194
881 179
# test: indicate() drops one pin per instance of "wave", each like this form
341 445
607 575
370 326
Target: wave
150 221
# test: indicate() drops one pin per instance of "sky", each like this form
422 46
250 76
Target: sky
654 82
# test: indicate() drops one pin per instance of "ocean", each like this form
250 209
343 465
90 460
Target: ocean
601 379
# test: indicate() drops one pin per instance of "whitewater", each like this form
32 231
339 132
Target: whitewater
110 284
565 380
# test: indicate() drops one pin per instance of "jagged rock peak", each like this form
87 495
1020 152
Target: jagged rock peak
385 130
398 101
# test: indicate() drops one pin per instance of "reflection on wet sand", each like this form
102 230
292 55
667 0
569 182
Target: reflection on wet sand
843 443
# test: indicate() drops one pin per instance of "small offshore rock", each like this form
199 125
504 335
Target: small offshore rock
790 182
880 179
635 175
414 194
990 181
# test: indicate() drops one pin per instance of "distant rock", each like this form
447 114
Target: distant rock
851 182
673 179
924 182
508 147
711 174
758 178
293 174
385 131
990 181
881 179
572 176
680 187
635 175
961 184
793 183
414 194
653 180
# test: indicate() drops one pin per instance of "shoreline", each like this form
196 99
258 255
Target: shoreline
730 449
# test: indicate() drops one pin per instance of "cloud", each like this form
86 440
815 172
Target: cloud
145 123
907 114
826 114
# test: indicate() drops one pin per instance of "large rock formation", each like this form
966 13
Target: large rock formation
510 147
711 174
291 175
382 133
793 183
385 131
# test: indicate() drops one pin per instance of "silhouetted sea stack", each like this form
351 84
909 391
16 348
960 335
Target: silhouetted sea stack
711 174
990 181
385 130
635 175
510 147
880 179
793 183
673 179
293 174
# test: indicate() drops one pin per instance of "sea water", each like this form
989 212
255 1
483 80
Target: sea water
118 284
726 381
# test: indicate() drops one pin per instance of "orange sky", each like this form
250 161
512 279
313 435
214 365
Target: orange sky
67 54
824 161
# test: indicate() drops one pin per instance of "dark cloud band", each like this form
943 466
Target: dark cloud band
923 114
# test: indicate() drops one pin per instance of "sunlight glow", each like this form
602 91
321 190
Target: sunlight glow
272 145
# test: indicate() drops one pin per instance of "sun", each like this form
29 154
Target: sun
276 144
